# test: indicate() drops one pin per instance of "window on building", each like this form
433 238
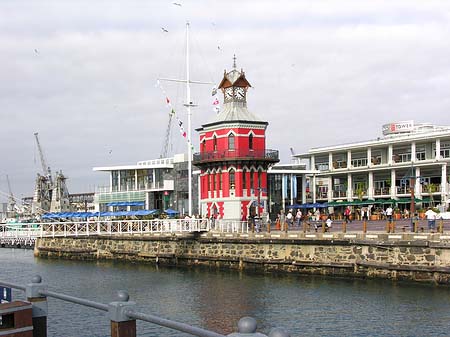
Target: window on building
210 182
401 157
204 145
231 176
445 150
244 179
219 181
231 142
322 192
215 143
420 155
115 180
358 162
251 180
259 178
213 178
250 142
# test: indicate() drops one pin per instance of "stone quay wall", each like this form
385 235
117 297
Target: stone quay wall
411 257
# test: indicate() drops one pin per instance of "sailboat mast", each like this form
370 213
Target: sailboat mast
188 104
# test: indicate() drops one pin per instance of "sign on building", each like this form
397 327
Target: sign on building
398 127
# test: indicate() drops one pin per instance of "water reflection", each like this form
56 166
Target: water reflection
215 300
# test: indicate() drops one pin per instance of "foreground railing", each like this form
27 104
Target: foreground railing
122 314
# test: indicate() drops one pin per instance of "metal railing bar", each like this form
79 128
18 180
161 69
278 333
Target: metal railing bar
172 324
75 300
12 285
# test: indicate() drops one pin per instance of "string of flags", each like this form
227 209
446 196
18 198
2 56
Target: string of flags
216 101
215 104
172 111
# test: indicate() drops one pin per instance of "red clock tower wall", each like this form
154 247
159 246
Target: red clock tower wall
233 157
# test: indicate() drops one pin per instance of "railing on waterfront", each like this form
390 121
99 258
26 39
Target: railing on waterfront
122 314
29 232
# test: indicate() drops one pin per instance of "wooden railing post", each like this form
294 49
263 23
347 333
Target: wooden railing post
39 306
344 226
365 226
121 324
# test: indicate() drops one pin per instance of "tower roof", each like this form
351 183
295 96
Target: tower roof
235 109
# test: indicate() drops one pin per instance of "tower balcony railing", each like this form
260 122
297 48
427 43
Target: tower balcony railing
238 154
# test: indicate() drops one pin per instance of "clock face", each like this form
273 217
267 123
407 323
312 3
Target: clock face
228 93
239 93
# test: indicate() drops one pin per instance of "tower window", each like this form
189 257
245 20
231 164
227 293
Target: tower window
259 179
204 145
231 142
244 179
231 179
215 143
250 142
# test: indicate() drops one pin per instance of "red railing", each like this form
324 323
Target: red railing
267 155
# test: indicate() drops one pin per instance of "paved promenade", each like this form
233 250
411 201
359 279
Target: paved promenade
402 225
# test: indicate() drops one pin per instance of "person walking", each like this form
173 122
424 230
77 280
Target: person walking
431 217
389 213
298 217
364 213
282 220
347 213
289 218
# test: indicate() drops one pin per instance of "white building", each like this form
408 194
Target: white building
406 154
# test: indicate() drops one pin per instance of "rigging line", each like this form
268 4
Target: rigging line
207 65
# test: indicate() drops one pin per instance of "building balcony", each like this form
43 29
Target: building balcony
233 155
339 194
432 188
382 191
321 195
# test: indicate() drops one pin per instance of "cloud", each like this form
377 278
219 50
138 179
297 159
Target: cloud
323 72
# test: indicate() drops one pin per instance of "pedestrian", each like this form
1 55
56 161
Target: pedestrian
405 213
298 217
347 213
289 218
282 219
364 213
317 215
328 223
431 217
389 213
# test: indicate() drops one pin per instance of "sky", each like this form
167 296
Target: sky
83 74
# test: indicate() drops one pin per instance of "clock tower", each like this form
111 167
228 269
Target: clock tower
233 157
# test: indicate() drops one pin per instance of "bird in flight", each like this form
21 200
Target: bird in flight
176 4
36 51
164 30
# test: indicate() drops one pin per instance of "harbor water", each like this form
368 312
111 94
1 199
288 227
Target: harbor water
215 300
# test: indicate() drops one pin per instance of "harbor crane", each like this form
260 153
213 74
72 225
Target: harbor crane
44 184
45 168
49 194
11 200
